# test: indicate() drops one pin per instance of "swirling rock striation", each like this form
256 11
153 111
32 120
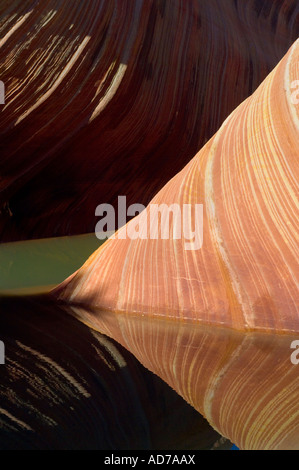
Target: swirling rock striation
217 323
111 97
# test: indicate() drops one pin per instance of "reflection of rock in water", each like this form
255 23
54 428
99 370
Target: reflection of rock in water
66 387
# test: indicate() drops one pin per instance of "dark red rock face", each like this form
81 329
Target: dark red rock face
113 98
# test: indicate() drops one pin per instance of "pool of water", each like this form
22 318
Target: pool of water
36 266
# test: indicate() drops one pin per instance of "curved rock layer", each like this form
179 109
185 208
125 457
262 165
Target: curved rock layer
110 97
64 386
217 322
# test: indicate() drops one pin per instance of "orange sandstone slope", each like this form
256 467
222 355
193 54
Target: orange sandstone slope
217 323
110 97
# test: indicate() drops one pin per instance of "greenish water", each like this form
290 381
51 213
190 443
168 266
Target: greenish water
36 266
